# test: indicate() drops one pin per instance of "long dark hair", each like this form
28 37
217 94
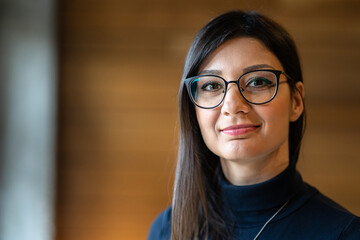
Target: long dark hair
197 206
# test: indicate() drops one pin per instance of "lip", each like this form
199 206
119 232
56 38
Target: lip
241 129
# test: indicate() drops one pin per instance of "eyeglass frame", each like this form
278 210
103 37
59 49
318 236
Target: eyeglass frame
277 73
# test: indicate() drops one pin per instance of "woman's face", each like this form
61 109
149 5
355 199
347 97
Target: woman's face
237 130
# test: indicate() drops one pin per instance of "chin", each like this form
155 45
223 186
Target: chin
243 156
239 158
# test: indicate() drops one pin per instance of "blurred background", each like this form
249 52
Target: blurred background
88 108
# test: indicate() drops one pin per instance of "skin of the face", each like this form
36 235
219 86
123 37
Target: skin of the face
255 148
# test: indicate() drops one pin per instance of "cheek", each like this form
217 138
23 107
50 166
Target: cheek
276 116
204 117
207 121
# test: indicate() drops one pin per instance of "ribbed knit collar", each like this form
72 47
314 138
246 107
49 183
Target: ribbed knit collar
251 204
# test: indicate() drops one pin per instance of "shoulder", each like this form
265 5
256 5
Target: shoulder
330 217
161 227
350 224
352 230
329 208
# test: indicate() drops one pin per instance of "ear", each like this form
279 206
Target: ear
297 107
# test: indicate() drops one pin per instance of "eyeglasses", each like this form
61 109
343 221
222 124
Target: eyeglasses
257 87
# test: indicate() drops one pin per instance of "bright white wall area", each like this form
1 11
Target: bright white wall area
27 112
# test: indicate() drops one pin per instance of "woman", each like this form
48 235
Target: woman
241 124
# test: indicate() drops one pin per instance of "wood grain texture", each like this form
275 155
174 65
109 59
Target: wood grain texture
120 66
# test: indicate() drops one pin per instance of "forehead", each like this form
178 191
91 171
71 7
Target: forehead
238 54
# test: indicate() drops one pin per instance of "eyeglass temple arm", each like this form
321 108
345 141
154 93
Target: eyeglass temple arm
288 77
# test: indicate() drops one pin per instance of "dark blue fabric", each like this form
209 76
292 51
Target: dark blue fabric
308 214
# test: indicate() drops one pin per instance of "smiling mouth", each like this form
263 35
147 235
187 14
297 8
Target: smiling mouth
241 129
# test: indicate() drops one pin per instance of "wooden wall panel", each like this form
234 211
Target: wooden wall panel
120 66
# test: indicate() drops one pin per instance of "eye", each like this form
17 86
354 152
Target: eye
259 82
212 86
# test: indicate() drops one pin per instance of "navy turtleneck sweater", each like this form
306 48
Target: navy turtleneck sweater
307 215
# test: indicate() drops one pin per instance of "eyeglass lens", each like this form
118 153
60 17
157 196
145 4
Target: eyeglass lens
256 87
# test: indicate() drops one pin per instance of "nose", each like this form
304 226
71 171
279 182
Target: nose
234 102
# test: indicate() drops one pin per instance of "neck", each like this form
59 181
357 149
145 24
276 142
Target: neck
254 171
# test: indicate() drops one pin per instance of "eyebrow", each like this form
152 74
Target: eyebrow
256 67
247 69
211 72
